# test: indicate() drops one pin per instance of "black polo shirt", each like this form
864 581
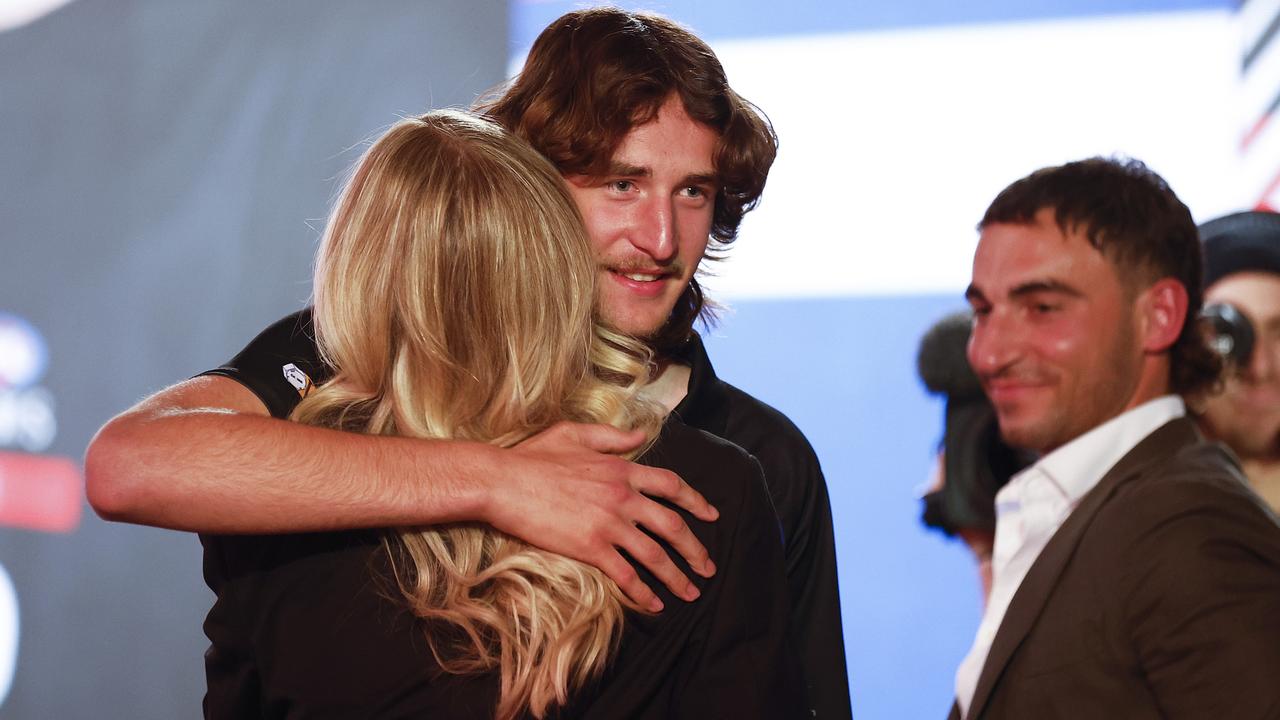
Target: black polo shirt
280 362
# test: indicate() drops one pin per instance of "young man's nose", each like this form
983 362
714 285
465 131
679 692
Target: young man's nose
654 230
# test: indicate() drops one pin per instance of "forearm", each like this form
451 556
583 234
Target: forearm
213 469
204 456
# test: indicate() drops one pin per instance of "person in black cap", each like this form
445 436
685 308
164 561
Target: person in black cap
1242 272
973 462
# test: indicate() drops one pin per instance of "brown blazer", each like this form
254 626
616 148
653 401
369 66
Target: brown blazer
1159 597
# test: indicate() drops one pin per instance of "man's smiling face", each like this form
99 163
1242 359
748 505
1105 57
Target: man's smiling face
1055 341
649 217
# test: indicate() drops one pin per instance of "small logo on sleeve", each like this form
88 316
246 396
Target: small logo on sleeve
298 379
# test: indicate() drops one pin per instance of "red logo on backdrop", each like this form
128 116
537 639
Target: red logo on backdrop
37 492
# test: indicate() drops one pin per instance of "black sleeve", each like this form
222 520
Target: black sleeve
742 664
799 493
815 591
281 365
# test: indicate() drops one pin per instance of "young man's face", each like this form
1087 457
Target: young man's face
1246 415
1054 338
649 217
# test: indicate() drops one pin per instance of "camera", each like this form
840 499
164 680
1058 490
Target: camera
1229 332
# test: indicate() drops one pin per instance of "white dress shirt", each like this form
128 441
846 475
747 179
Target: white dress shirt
1035 503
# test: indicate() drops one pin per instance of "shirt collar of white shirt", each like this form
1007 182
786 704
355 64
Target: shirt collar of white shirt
1080 464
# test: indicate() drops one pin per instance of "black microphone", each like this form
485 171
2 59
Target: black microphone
941 361
977 462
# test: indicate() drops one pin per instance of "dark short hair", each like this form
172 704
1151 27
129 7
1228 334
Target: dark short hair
592 75
1132 216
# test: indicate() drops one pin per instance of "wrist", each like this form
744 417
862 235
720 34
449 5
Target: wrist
432 481
478 466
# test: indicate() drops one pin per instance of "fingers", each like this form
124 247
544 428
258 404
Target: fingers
668 525
650 554
628 580
605 497
608 440
668 486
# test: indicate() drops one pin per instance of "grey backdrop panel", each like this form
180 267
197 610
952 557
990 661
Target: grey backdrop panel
164 170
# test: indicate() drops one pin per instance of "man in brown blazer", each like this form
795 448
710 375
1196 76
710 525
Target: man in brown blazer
1135 574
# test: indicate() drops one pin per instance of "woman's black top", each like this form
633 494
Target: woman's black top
311 626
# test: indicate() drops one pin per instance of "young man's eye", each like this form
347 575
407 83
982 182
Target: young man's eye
697 192
621 185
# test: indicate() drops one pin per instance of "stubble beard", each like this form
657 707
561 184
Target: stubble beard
1090 404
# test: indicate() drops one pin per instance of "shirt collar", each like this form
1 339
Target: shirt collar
1080 464
705 406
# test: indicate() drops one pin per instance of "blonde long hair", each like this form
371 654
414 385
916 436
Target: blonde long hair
454 293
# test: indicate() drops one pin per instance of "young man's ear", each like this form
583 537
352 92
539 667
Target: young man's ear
1162 312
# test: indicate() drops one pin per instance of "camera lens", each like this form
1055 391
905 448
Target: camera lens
1229 332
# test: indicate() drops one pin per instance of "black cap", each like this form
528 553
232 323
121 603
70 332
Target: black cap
1241 242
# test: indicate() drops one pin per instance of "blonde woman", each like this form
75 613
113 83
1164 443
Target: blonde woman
454 299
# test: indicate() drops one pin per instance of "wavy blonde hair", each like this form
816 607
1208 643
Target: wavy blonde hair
454 293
